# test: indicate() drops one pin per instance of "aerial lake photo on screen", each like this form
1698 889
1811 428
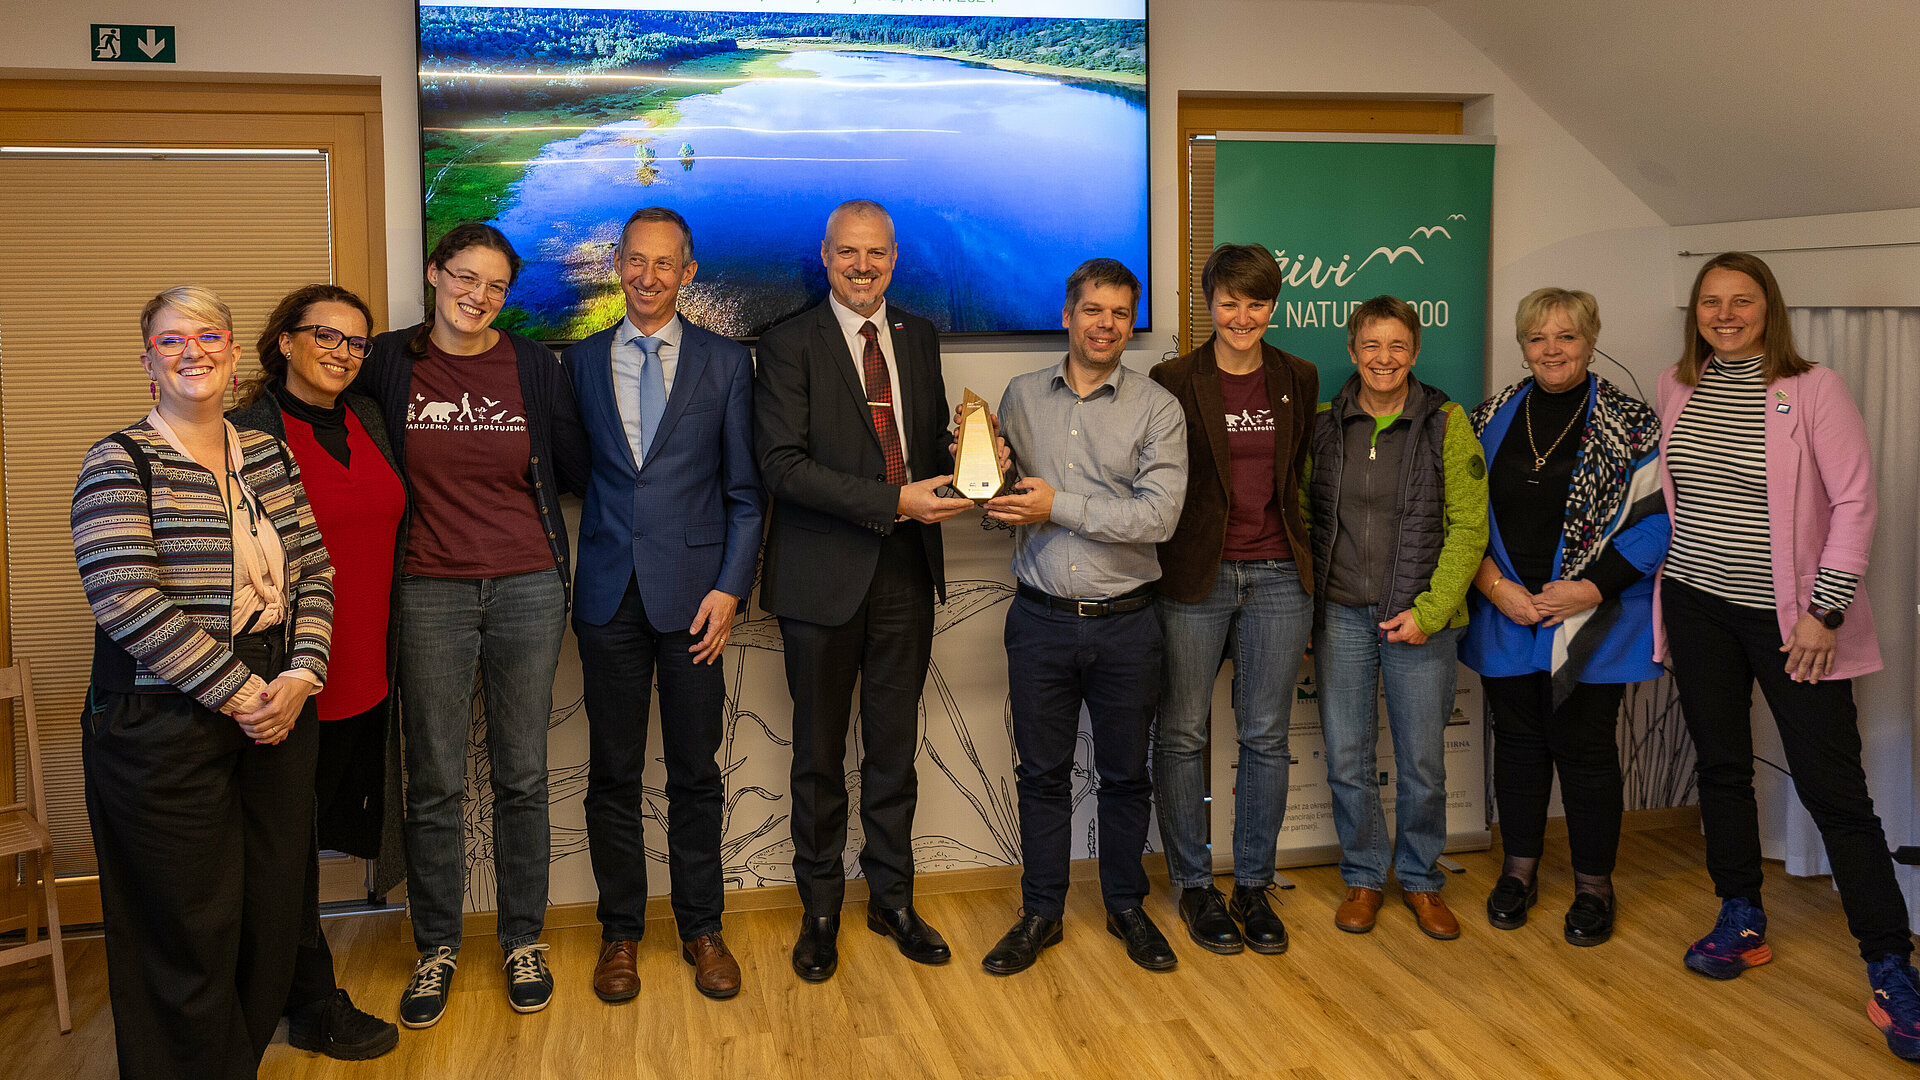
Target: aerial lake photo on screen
1007 151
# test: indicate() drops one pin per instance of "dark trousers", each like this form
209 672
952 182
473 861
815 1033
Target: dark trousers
619 662
203 839
1056 662
886 646
1531 739
1718 650
342 744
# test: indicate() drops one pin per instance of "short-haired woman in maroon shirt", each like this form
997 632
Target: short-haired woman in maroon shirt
310 350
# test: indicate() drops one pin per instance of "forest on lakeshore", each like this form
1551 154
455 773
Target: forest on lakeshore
602 41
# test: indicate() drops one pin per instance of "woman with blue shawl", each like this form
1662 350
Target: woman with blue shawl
1562 608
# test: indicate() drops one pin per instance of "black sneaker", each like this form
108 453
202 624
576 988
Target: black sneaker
332 1026
529 983
425 998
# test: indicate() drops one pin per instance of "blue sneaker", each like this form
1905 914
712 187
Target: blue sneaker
1895 1005
1738 942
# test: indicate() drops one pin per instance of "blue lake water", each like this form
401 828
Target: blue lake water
999 184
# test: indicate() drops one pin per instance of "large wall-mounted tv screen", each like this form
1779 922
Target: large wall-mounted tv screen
1008 138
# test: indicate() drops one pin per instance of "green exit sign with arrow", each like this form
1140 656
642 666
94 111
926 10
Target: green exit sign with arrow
132 44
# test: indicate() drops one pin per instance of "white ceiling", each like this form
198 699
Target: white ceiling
1723 110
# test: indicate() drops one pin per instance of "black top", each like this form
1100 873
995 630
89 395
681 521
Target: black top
329 425
1531 506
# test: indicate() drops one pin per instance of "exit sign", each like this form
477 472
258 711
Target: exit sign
132 44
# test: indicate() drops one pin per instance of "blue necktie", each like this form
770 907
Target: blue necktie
643 401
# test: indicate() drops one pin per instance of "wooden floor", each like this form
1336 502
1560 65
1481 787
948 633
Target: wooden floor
1517 1004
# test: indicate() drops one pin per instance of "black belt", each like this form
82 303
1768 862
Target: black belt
1117 605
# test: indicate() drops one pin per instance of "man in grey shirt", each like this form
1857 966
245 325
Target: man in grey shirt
1105 453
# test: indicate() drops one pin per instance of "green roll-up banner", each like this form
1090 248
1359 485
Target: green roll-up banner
1351 220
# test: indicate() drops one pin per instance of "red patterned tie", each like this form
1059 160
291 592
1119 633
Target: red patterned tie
873 366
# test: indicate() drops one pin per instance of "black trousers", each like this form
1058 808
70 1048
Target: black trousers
886 646
1056 662
619 662
1718 650
203 840
1530 740
342 743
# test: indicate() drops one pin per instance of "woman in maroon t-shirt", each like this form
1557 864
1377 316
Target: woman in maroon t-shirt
1228 579
484 424
310 349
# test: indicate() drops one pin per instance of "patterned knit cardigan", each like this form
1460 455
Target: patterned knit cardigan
157 564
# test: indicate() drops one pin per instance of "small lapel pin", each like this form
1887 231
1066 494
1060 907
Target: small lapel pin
1783 407
1781 394
1284 399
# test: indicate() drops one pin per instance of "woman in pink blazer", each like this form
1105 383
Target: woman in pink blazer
1765 463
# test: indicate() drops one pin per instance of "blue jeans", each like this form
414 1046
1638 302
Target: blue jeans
1351 660
1259 616
506 630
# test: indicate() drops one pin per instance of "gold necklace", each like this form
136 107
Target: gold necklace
1539 458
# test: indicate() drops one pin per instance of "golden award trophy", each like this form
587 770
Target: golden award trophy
976 461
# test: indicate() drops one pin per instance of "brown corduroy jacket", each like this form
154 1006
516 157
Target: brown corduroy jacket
1190 561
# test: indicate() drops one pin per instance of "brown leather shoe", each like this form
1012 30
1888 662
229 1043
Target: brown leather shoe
715 972
1356 913
615 978
1431 913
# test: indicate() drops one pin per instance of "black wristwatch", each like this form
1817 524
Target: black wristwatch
1831 618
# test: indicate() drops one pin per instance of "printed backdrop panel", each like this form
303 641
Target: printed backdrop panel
1351 220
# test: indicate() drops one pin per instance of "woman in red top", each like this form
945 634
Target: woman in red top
310 350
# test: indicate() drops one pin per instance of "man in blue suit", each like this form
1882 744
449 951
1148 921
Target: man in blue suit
667 547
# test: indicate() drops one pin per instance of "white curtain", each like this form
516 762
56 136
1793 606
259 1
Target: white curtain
1877 352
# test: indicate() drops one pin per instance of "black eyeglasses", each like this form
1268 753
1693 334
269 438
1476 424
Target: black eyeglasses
328 338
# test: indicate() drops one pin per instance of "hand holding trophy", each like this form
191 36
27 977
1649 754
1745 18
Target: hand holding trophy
979 473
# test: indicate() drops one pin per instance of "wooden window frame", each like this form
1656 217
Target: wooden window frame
342 118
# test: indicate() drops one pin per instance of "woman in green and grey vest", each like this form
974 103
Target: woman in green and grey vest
1397 500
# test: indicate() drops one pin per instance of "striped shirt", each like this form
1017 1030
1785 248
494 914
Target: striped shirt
157 562
1718 458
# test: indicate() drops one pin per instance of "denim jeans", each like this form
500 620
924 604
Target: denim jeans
507 630
1351 660
1259 616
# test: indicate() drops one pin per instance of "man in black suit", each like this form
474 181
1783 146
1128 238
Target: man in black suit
851 417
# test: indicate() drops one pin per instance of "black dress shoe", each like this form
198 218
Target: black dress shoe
1589 920
1204 911
1265 933
1021 946
817 952
918 942
1507 904
1146 945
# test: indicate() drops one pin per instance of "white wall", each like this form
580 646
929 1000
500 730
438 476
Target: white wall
1870 259
1560 217
245 39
